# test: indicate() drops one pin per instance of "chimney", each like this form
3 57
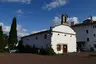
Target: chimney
64 19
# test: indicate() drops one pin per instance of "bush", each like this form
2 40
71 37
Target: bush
2 50
43 52
34 50
48 51
28 49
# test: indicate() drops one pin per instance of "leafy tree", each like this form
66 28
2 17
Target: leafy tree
13 35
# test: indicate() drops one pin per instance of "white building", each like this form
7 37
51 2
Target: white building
86 35
61 38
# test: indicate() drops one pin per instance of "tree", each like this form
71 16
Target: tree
20 47
13 35
1 39
5 41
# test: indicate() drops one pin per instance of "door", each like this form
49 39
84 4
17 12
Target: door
65 48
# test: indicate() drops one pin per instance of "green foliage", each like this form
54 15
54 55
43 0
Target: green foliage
29 49
43 52
1 38
5 39
48 51
13 35
20 47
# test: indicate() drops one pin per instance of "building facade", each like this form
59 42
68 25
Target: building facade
86 35
61 38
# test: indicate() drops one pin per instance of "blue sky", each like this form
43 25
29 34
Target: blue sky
34 15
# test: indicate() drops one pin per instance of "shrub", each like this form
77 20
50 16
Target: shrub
50 51
34 50
28 49
2 50
43 52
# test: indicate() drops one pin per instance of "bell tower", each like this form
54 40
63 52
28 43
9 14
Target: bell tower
64 19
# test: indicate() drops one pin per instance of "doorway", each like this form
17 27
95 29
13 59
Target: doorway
64 48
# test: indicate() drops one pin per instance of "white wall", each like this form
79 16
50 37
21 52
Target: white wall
40 42
62 39
82 35
53 39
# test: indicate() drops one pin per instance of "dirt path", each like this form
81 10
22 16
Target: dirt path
6 58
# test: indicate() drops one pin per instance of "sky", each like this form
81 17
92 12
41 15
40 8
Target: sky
36 15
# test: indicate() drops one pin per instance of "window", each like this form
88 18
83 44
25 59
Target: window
58 47
45 36
87 31
94 45
36 38
65 35
58 34
87 39
94 35
93 26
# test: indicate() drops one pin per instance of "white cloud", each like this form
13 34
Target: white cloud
17 1
6 29
19 11
20 30
73 19
94 18
57 20
54 4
